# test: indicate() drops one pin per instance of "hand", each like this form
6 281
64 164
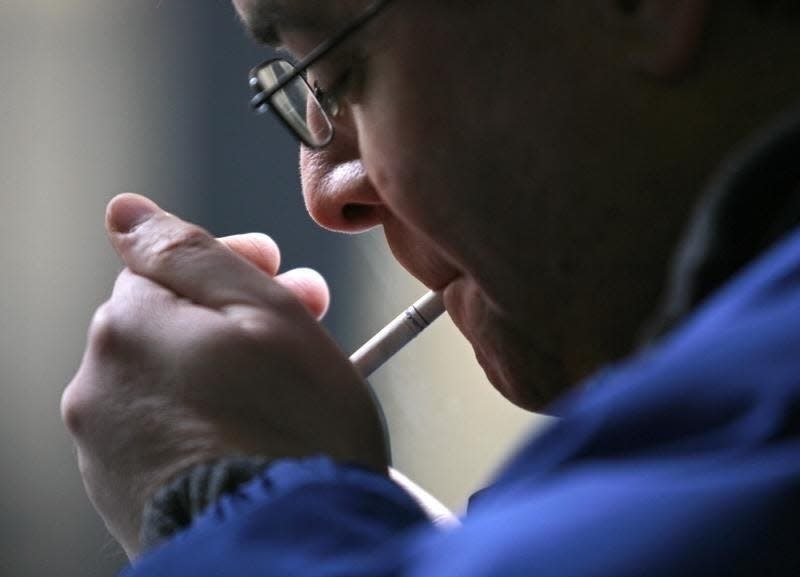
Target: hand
200 353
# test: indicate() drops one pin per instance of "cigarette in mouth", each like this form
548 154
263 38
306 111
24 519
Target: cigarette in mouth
398 333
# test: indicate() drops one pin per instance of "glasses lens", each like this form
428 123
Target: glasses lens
296 104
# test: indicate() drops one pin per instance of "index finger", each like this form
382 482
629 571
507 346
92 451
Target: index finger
183 257
257 248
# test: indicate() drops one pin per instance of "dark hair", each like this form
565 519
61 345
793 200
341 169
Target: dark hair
791 7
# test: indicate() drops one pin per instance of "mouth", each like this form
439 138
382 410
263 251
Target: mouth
459 300
419 253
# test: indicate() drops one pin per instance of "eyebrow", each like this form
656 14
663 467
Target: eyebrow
262 19
265 17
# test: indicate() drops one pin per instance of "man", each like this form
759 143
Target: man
536 162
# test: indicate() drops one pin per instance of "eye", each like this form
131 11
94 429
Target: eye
331 97
345 85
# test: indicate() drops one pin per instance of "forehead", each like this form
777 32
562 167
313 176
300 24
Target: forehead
266 18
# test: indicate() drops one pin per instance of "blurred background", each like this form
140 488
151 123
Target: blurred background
98 98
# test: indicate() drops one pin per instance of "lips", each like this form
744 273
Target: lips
457 299
418 256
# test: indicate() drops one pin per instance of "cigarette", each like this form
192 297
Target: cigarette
397 334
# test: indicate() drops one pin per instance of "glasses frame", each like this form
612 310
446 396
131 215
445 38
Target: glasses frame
261 102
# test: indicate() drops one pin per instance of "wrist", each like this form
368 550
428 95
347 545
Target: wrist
175 505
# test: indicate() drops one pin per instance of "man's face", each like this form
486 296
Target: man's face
477 135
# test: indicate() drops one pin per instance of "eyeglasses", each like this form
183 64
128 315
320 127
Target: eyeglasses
281 86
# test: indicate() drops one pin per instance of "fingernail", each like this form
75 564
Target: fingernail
127 211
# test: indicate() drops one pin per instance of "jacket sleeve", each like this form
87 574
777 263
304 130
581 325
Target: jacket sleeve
297 517
731 515
686 461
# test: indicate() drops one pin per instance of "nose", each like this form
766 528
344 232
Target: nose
336 187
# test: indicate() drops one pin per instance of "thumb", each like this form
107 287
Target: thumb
309 288
183 257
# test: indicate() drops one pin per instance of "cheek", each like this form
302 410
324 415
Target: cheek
406 157
425 145
428 178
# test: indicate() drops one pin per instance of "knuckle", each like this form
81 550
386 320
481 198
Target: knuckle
273 330
185 240
71 411
105 332
79 397
254 331
76 407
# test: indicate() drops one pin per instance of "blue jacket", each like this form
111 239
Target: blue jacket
682 461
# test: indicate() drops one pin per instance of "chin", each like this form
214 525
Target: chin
522 366
527 378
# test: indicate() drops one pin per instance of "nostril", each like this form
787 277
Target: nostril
358 214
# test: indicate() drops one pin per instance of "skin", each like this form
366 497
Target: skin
537 170
595 188
181 368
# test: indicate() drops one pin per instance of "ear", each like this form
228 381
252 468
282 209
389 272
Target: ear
669 33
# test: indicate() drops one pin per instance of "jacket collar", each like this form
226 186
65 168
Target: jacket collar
752 203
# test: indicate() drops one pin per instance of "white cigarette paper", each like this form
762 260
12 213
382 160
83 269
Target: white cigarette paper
397 333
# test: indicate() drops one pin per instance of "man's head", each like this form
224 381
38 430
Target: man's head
536 161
